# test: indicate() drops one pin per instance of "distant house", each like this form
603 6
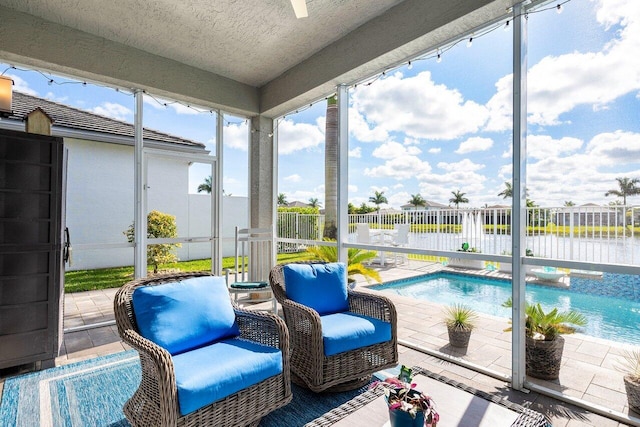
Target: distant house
589 214
298 204
428 206
100 183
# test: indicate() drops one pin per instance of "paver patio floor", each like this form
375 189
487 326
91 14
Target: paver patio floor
588 370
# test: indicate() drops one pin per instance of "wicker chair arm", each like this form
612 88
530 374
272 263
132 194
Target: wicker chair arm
376 306
262 327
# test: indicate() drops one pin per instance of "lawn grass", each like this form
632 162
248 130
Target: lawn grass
103 278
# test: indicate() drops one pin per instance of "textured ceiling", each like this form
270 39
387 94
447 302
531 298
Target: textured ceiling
250 41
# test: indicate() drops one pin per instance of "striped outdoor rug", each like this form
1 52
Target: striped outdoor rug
92 393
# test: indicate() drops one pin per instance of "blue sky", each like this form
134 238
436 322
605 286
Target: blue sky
443 127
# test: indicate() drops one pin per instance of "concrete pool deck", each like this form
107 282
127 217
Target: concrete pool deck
588 371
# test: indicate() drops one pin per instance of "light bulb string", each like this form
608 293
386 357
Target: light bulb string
439 52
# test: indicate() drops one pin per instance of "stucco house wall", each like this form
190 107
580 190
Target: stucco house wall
100 204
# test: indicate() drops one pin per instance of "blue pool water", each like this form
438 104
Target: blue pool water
611 304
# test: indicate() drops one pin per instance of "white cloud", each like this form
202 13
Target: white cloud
61 99
293 137
464 165
356 152
392 149
418 107
113 110
293 178
401 162
236 135
475 143
21 85
613 148
544 146
584 177
435 150
400 167
559 84
364 131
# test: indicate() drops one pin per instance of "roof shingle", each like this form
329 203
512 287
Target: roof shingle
74 118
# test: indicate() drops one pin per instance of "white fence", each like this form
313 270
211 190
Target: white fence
585 233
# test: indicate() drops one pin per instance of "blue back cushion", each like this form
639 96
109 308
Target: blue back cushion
323 287
184 315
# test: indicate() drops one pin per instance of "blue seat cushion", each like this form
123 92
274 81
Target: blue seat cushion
208 374
184 315
347 331
322 287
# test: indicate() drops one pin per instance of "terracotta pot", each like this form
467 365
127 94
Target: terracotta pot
459 337
632 386
543 358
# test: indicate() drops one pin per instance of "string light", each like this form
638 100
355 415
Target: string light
438 57
440 51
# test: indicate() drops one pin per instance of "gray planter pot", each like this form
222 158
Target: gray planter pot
543 358
633 392
459 337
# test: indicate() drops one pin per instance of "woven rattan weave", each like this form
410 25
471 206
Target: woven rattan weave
343 371
155 403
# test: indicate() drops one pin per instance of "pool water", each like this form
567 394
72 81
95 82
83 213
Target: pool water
609 317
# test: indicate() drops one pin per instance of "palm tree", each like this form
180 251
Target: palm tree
628 187
355 259
569 203
378 199
507 192
458 198
331 170
314 203
205 186
282 199
417 200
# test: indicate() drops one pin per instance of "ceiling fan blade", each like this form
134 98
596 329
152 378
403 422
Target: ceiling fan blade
300 8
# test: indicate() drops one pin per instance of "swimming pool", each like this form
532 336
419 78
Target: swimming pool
610 317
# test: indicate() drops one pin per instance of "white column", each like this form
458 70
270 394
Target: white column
343 171
140 216
519 202
216 198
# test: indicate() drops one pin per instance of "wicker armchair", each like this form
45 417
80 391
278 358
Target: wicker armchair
155 403
310 367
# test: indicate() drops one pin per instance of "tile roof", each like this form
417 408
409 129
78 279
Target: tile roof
81 120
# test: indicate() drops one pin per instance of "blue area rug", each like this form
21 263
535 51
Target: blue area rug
93 392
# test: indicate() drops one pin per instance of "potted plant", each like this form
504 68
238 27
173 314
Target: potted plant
355 261
630 365
467 263
408 407
460 321
544 343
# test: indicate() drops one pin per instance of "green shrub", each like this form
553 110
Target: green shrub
159 225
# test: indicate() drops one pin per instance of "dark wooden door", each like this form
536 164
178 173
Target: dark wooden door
31 271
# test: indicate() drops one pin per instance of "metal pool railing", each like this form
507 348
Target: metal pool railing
602 234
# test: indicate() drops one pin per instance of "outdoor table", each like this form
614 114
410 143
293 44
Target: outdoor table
458 405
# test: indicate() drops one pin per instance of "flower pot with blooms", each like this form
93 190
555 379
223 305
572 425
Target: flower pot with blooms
408 407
